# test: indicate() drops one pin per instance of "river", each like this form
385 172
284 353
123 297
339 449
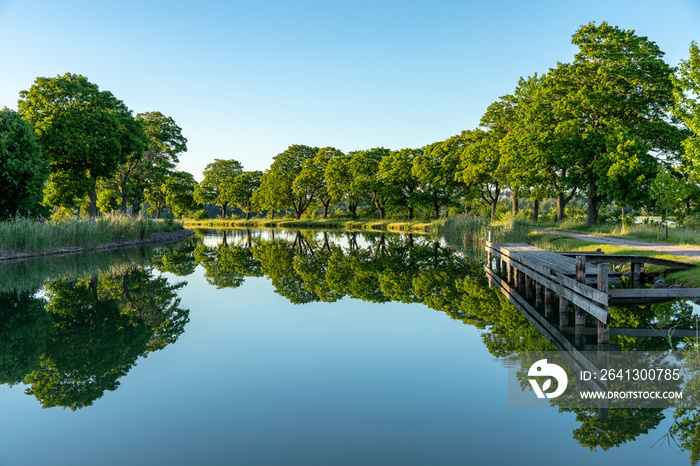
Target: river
272 347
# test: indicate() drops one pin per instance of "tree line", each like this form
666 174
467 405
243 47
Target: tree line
616 125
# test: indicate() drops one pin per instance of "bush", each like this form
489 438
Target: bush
200 215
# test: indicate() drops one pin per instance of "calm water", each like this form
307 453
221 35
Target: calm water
306 348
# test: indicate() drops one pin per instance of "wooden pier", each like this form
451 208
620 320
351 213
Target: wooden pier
579 279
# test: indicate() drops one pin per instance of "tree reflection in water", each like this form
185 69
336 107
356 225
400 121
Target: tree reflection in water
77 338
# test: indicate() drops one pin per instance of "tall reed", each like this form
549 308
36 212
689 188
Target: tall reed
464 229
28 235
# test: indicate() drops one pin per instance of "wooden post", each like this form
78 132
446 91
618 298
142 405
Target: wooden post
603 327
579 336
634 274
580 318
529 288
539 295
603 363
520 281
548 303
489 249
563 312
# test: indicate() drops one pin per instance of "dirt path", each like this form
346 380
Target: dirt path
684 251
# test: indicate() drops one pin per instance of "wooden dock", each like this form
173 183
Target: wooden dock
579 279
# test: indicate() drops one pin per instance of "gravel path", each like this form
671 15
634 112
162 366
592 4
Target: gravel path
684 251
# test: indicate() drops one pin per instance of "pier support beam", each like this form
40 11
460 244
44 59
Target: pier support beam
548 303
539 295
580 318
529 288
603 327
489 255
563 312
636 267
519 281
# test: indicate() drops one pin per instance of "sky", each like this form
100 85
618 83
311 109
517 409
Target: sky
247 79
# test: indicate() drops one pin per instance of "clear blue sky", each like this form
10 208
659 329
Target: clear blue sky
246 79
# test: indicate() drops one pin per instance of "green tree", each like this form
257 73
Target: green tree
396 171
242 189
215 187
367 181
283 172
617 86
686 92
154 195
339 182
23 169
178 189
164 144
435 170
267 197
313 177
86 133
546 161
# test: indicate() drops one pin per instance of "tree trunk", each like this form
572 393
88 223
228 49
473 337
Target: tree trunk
436 210
124 182
93 203
514 200
535 210
410 212
560 207
247 215
223 209
137 197
592 216
273 214
493 211
381 212
467 209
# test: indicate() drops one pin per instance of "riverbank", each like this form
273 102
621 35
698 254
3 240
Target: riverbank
152 240
413 226
464 230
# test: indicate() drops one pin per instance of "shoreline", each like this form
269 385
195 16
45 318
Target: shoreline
155 239
400 226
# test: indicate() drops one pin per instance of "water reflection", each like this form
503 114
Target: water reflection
71 337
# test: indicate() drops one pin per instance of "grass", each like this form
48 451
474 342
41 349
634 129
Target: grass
638 232
34 236
330 223
558 243
464 229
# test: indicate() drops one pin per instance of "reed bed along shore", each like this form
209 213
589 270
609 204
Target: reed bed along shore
37 236
463 229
